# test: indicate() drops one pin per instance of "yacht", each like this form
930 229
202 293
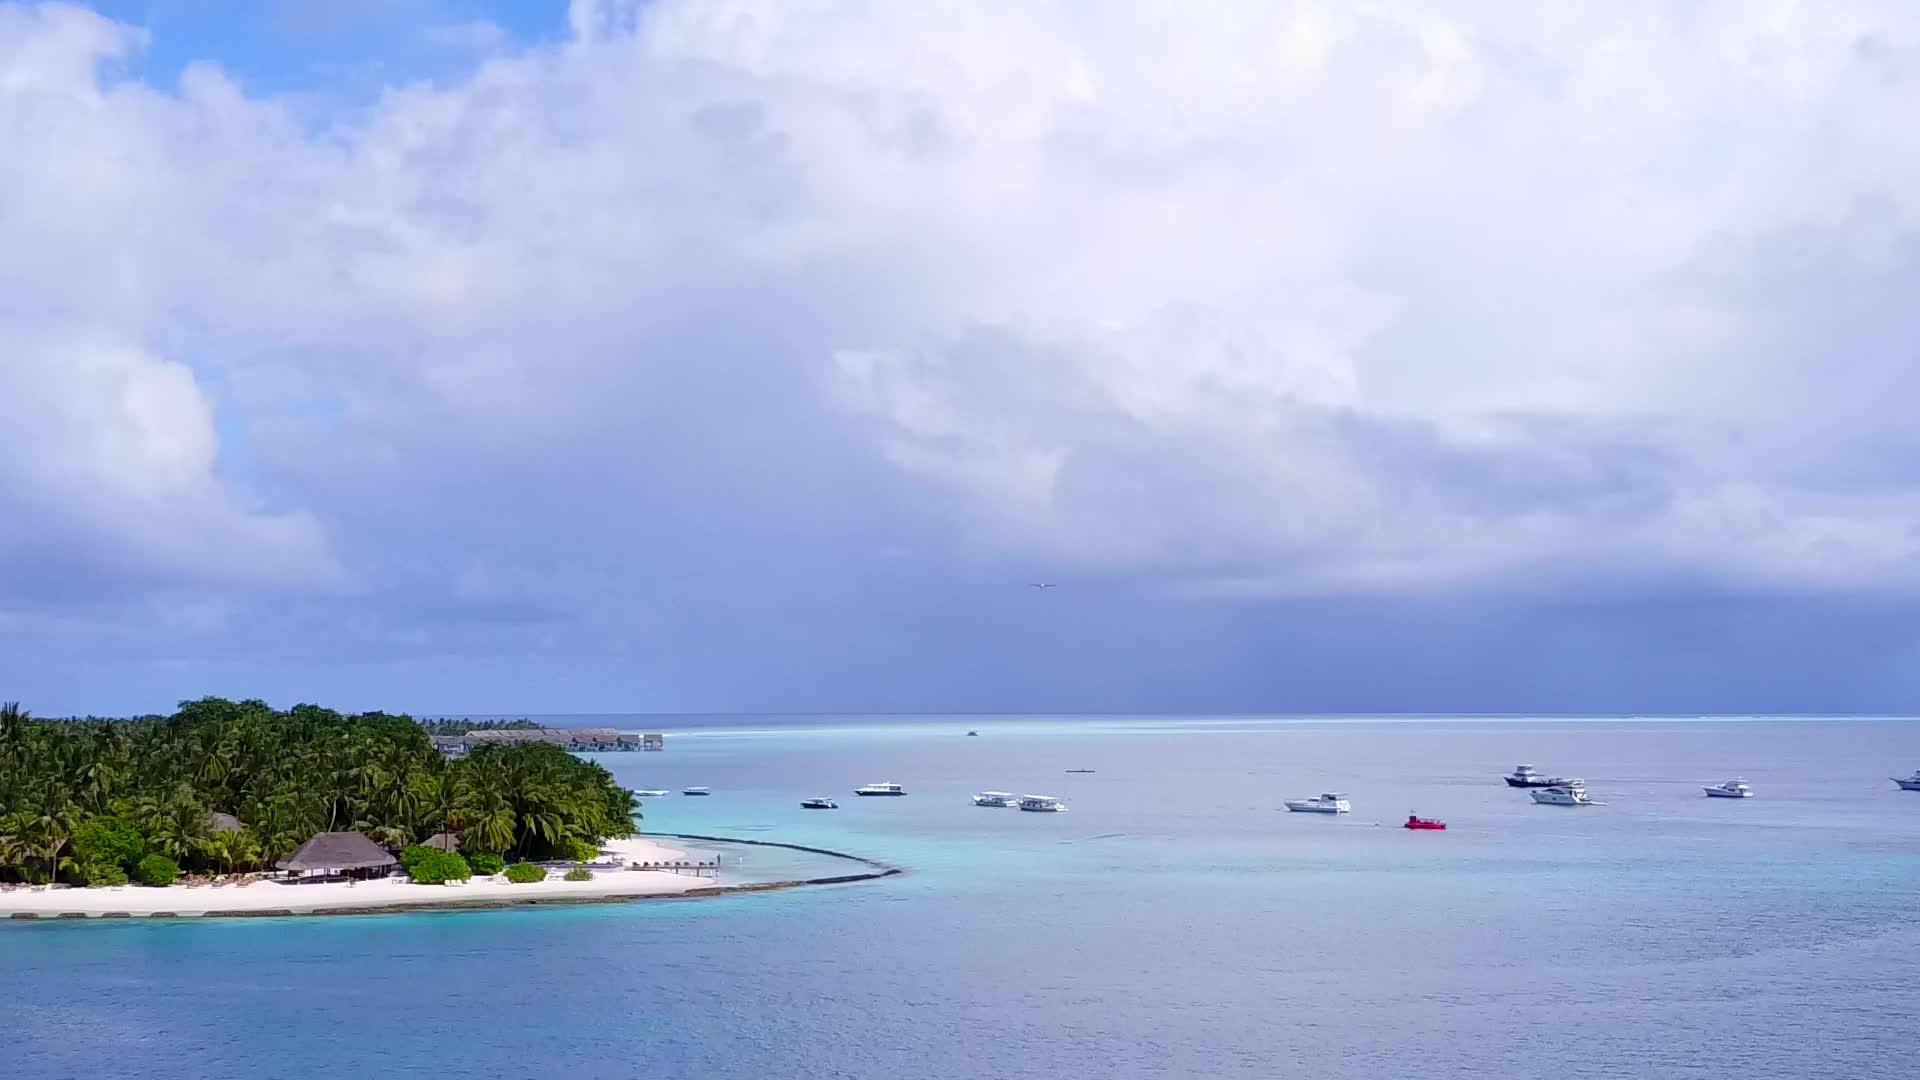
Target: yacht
880 789
1526 776
1911 783
819 804
1565 793
1042 804
1328 802
695 791
652 794
1732 789
996 798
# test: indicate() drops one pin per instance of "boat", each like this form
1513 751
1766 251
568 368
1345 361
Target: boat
1911 783
880 789
652 794
1568 793
1079 770
973 734
695 791
1327 802
1415 821
1525 776
1042 804
819 804
996 798
1732 789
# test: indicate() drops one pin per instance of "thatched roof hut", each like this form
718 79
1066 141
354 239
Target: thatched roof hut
219 822
445 841
337 851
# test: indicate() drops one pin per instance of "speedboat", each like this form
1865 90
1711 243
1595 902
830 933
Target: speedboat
996 798
652 794
1526 776
973 734
1328 802
1414 821
1911 783
1042 804
695 791
1732 789
819 804
880 789
1566 793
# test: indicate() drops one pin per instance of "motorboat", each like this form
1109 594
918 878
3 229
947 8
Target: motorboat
1732 789
819 804
880 789
652 794
1415 821
1327 802
973 734
1042 804
996 798
695 791
1911 783
1526 776
1567 793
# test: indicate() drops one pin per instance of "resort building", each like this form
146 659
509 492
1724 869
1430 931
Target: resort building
331 853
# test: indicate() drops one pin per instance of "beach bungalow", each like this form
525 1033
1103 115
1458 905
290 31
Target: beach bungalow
445 841
653 742
339 853
218 822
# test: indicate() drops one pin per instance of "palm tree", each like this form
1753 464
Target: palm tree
45 831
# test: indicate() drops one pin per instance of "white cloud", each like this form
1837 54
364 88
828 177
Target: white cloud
1302 295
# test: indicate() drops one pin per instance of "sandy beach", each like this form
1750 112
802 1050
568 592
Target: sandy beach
137 901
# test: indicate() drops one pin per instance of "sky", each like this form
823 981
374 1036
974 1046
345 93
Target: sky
758 355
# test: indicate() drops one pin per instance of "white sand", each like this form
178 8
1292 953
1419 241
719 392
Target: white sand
138 900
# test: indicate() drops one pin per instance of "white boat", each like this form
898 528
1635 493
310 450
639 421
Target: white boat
1327 802
880 789
695 791
650 794
1911 783
819 804
1571 793
1526 776
1732 789
1042 804
996 798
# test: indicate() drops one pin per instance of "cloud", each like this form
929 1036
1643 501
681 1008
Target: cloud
675 327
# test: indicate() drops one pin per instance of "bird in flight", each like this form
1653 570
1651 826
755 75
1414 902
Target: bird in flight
1041 584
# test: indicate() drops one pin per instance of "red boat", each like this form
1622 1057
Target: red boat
1415 822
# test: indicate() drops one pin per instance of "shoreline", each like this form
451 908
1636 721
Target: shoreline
397 896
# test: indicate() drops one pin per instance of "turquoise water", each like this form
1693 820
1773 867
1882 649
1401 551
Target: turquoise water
1174 923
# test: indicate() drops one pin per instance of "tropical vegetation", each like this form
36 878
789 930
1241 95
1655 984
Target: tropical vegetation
224 786
462 727
521 873
437 867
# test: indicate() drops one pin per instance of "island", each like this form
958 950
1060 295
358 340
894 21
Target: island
238 808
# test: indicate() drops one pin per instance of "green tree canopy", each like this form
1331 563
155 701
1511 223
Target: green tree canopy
100 793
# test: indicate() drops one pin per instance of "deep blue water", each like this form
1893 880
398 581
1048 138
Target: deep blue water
1175 923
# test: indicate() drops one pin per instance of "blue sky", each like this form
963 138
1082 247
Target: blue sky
741 355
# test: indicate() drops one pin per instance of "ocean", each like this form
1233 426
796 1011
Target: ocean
1176 922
